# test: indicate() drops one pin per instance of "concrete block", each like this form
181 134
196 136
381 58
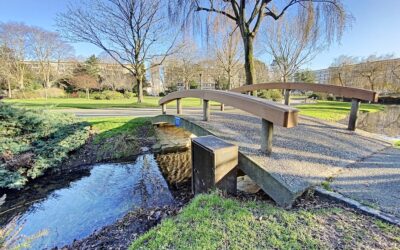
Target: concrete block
214 165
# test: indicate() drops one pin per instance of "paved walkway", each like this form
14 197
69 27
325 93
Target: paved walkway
373 181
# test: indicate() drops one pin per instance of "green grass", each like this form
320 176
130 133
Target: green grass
214 222
113 126
81 103
333 110
397 144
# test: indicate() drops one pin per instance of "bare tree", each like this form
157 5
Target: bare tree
226 49
132 32
84 81
248 16
292 42
45 47
7 61
341 70
372 69
15 36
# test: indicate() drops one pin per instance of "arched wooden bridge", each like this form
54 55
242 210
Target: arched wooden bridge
298 160
355 94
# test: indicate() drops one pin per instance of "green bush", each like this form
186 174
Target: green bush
322 96
32 141
129 95
98 96
112 95
273 94
40 93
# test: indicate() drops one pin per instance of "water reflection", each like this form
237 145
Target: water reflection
87 204
385 122
176 167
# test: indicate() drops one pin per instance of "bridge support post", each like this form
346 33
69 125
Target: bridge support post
164 109
267 129
287 97
214 165
355 106
222 107
206 110
178 106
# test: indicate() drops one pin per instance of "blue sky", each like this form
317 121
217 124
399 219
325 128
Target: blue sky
375 30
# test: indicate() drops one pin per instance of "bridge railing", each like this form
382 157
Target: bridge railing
355 94
270 112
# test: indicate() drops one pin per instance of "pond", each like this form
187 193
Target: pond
74 207
385 122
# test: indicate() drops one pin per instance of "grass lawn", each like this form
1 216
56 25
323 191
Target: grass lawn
108 127
213 222
334 111
397 144
81 103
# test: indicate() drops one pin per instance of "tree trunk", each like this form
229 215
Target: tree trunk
249 60
139 81
9 89
87 93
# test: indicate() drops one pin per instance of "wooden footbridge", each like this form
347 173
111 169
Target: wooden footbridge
282 179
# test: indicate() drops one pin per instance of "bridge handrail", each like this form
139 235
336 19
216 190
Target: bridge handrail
278 114
348 92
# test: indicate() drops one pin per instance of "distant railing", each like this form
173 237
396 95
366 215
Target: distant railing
270 112
354 93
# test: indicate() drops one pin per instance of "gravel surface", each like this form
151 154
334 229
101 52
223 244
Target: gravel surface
302 156
373 181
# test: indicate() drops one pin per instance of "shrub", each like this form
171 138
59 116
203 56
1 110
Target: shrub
40 93
161 94
98 96
273 94
129 95
112 95
32 141
319 96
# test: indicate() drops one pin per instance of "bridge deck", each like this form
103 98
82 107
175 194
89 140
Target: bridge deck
302 156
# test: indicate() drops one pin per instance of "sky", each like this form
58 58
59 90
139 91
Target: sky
376 28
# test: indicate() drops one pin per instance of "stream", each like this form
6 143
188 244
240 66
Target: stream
72 207
385 122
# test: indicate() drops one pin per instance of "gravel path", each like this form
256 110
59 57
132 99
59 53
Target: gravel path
302 156
373 181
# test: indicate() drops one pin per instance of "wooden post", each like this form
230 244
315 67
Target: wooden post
222 107
178 106
206 110
267 129
164 108
355 105
287 97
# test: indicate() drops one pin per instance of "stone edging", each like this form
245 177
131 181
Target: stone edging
358 206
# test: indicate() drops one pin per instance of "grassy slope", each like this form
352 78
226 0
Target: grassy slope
334 111
212 222
65 103
108 127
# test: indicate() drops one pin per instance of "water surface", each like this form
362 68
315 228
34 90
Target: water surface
98 199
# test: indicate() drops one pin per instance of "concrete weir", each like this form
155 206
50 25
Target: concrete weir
302 157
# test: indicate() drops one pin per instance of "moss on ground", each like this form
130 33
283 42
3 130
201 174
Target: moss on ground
214 222
334 111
